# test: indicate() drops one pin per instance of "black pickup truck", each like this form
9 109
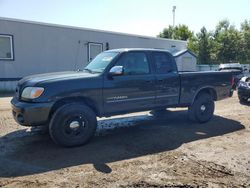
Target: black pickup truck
116 82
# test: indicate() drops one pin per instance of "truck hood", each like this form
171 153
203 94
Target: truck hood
56 76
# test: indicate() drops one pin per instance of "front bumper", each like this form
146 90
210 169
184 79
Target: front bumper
244 92
30 114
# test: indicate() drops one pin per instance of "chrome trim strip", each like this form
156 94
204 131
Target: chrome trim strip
163 96
140 98
133 99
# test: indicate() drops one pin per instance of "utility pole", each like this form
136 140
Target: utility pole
174 7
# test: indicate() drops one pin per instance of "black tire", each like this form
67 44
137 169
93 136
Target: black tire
243 100
72 125
202 109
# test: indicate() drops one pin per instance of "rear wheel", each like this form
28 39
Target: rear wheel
202 109
72 125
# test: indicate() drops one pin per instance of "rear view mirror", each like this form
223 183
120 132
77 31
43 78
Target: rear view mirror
116 71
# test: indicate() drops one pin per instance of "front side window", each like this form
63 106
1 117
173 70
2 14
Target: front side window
100 62
163 63
6 47
134 63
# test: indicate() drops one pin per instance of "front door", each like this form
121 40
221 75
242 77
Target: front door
167 79
134 90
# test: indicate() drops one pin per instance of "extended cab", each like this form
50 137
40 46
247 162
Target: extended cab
116 82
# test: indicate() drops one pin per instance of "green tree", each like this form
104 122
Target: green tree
227 43
167 33
245 30
193 44
203 46
180 32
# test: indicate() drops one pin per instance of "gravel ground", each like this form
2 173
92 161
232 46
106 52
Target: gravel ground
136 150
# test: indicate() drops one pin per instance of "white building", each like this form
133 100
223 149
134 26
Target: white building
28 47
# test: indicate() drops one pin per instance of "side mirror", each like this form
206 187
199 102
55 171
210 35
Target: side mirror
116 71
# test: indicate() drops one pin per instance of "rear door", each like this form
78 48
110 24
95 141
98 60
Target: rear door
134 90
167 79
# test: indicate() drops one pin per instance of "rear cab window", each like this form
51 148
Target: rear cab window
163 63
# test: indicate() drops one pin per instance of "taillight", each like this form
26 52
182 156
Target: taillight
232 81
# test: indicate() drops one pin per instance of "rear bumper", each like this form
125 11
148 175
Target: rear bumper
30 114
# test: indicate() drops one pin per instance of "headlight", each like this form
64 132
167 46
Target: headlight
32 92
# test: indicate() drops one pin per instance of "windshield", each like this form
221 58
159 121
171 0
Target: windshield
100 62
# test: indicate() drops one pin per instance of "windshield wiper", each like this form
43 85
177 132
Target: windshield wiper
89 70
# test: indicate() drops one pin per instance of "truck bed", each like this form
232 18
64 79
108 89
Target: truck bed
193 82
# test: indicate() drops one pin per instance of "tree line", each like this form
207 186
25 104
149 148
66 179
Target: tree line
225 44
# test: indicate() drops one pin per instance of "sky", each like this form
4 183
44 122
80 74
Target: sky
142 17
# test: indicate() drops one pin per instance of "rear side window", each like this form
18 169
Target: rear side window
163 62
134 63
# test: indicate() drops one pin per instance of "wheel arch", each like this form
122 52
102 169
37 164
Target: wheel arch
59 103
209 90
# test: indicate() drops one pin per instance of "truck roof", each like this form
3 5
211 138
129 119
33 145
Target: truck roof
138 49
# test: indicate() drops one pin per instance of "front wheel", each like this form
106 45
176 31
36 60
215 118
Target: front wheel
72 125
202 109
243 100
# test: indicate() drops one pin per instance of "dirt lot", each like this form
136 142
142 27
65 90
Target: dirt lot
142 151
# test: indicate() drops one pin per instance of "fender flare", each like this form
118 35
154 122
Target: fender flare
208 89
